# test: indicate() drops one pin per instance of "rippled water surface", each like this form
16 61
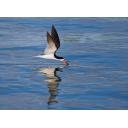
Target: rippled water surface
97 77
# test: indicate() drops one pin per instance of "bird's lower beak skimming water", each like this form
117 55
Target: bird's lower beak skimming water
65 62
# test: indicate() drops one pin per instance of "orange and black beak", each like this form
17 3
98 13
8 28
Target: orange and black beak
65 62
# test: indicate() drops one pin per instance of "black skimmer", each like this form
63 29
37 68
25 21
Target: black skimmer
52 47
53 81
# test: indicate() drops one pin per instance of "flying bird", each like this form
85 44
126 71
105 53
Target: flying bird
52 47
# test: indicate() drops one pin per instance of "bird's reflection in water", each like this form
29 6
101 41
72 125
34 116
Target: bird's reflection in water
53 81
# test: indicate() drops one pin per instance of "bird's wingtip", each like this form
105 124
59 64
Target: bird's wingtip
48 34
53 26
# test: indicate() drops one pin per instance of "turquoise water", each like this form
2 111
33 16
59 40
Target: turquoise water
97 77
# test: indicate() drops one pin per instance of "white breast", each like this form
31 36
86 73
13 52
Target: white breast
49 56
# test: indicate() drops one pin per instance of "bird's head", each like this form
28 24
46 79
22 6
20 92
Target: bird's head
62 59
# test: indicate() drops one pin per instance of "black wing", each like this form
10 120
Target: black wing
55 36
